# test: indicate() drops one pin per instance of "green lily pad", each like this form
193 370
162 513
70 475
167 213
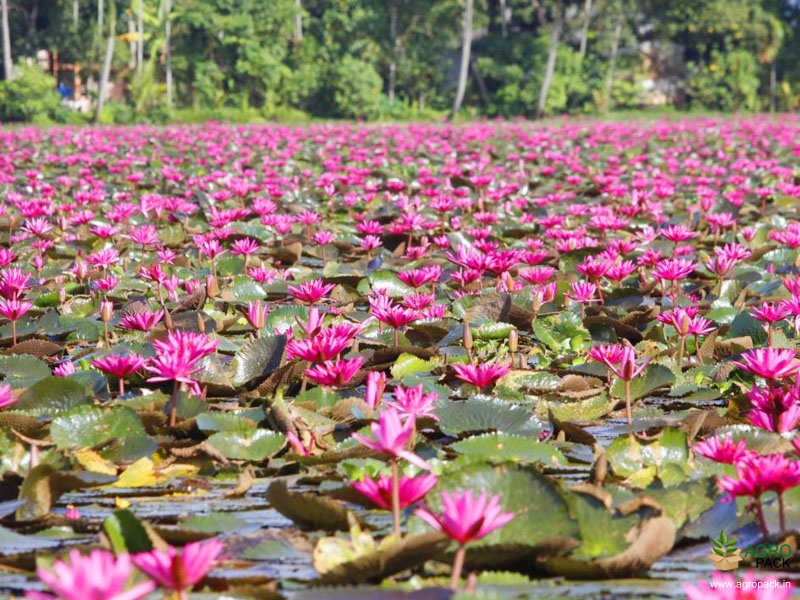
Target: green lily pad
654 377
88 426
408 364
493 331
483 413
23 371
126 532
628 455
254 445
258 359
51 396
501 447
219 421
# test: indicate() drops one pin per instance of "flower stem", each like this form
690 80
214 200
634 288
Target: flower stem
760 516
13 332
628 401
681 350
173 411
458 566
396 499
781 512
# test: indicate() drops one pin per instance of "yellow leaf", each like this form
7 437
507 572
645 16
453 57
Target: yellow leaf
121 502
94 463
140 474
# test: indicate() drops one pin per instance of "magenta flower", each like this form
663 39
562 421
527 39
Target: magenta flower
335 373
392 434
415 402
6 397
312 291
177 359
770 363
14 310
142 321
627 370
750 588
120 365
180 571
775 408
757 475
376 384
481 375
325 345
416 278
411 489
464 519
257 315
722 450
393 315
98 576
298 447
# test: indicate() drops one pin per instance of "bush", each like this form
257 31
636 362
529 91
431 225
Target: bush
31 96
354 89
729 82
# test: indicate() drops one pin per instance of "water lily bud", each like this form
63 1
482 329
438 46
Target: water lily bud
106 311
62 295
513 340
467 337
212 287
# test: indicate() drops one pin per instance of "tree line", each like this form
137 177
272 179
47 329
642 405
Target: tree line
397 58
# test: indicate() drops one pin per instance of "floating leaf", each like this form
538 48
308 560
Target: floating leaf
408 364
119 428
23 371
126 533
654 377
499 447
628 454
45 484
52 395
483 413
224 421
493 331
309 511
257 360
253 444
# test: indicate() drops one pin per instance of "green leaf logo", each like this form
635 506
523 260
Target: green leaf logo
723 545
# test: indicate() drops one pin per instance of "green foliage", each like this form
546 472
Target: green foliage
31 96
354 89
729 82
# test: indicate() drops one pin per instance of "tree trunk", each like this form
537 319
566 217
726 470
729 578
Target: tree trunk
140 38
100 14
393 61
102 92
503 18
75 11
8 64
466 48
612 60
551 59
132 43
169 53
587 9
298 21
773 82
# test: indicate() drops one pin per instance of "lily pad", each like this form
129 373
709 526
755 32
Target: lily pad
52 395
501 447
483 413
257 360
119 428
23 371
252 444
654 377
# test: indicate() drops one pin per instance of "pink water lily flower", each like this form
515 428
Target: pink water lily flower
180 571
335 373
410 489
770 363
97 576
392 433
481 375
465 518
